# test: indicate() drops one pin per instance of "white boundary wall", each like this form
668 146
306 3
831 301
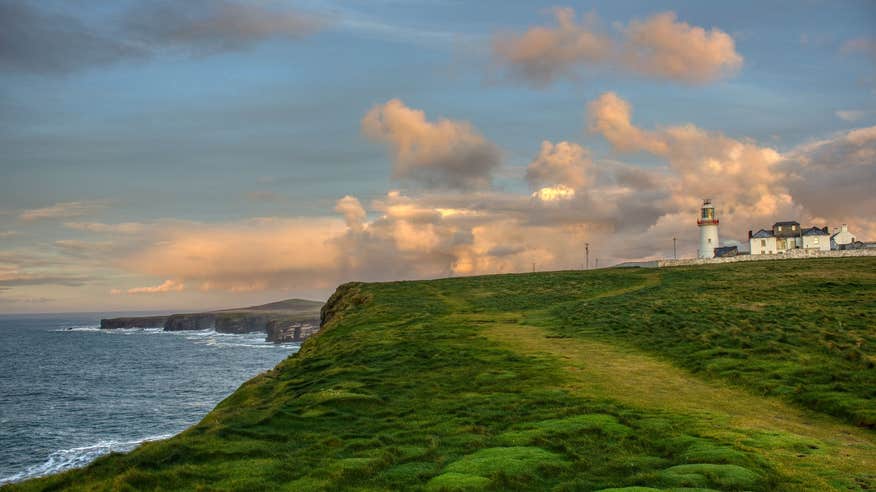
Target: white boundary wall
790 255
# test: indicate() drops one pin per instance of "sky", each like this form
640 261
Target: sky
161 155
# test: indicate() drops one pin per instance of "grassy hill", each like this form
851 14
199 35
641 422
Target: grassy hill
292 306
755 376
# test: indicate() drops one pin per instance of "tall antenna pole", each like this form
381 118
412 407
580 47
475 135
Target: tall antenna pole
587 254
674 249
597 263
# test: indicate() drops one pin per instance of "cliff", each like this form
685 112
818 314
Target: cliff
283 321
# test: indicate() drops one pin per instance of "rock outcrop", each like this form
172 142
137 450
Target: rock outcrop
280 331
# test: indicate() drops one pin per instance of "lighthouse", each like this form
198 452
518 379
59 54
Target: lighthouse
708 224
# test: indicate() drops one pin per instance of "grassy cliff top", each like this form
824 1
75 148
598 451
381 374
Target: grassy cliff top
730 377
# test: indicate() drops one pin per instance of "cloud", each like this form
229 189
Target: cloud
739 173
852 115
215 26
163 288
543 54
443 154
36 39
667 49
24 300
554 193
255 254
18 279
63 210
84 249
833 178
41 41
611 116
565 164
120 228
660 47
8 234
353 212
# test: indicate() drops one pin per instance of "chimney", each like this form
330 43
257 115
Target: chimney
749 234
845 228
825 230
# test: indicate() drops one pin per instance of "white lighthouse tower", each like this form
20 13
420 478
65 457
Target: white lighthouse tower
708 223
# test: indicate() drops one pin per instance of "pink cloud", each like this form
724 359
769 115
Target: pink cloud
660 47
163 288
564 163
61 210
444 154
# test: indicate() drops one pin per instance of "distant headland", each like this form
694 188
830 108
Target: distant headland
292 320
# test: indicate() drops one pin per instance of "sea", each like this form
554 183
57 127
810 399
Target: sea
71 392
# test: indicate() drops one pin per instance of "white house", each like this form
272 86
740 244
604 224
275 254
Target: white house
815 238
843 236
785 236
762 243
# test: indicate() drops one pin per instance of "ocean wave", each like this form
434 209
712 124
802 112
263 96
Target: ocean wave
66 459
113 331
214 338
79 328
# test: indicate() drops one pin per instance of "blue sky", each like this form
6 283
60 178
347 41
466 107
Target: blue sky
151 127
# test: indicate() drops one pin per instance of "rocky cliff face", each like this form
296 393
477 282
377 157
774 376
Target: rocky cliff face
227 323
143 322
200 321
346 297
280 331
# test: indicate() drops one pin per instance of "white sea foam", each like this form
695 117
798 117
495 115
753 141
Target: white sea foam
214 338
209 337
79 328
66 459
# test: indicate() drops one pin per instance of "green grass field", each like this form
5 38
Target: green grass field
749 376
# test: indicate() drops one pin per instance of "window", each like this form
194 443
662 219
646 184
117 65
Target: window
780 228
815 241
710 240
763 243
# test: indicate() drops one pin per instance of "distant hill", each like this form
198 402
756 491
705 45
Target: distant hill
298 305
747 376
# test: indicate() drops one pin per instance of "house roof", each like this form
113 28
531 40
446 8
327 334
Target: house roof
814 231
723 250
763 233
837 233
787 222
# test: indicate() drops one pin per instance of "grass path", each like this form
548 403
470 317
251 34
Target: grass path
824 453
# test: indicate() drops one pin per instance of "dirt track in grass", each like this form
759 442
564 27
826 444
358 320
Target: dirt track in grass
796 441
